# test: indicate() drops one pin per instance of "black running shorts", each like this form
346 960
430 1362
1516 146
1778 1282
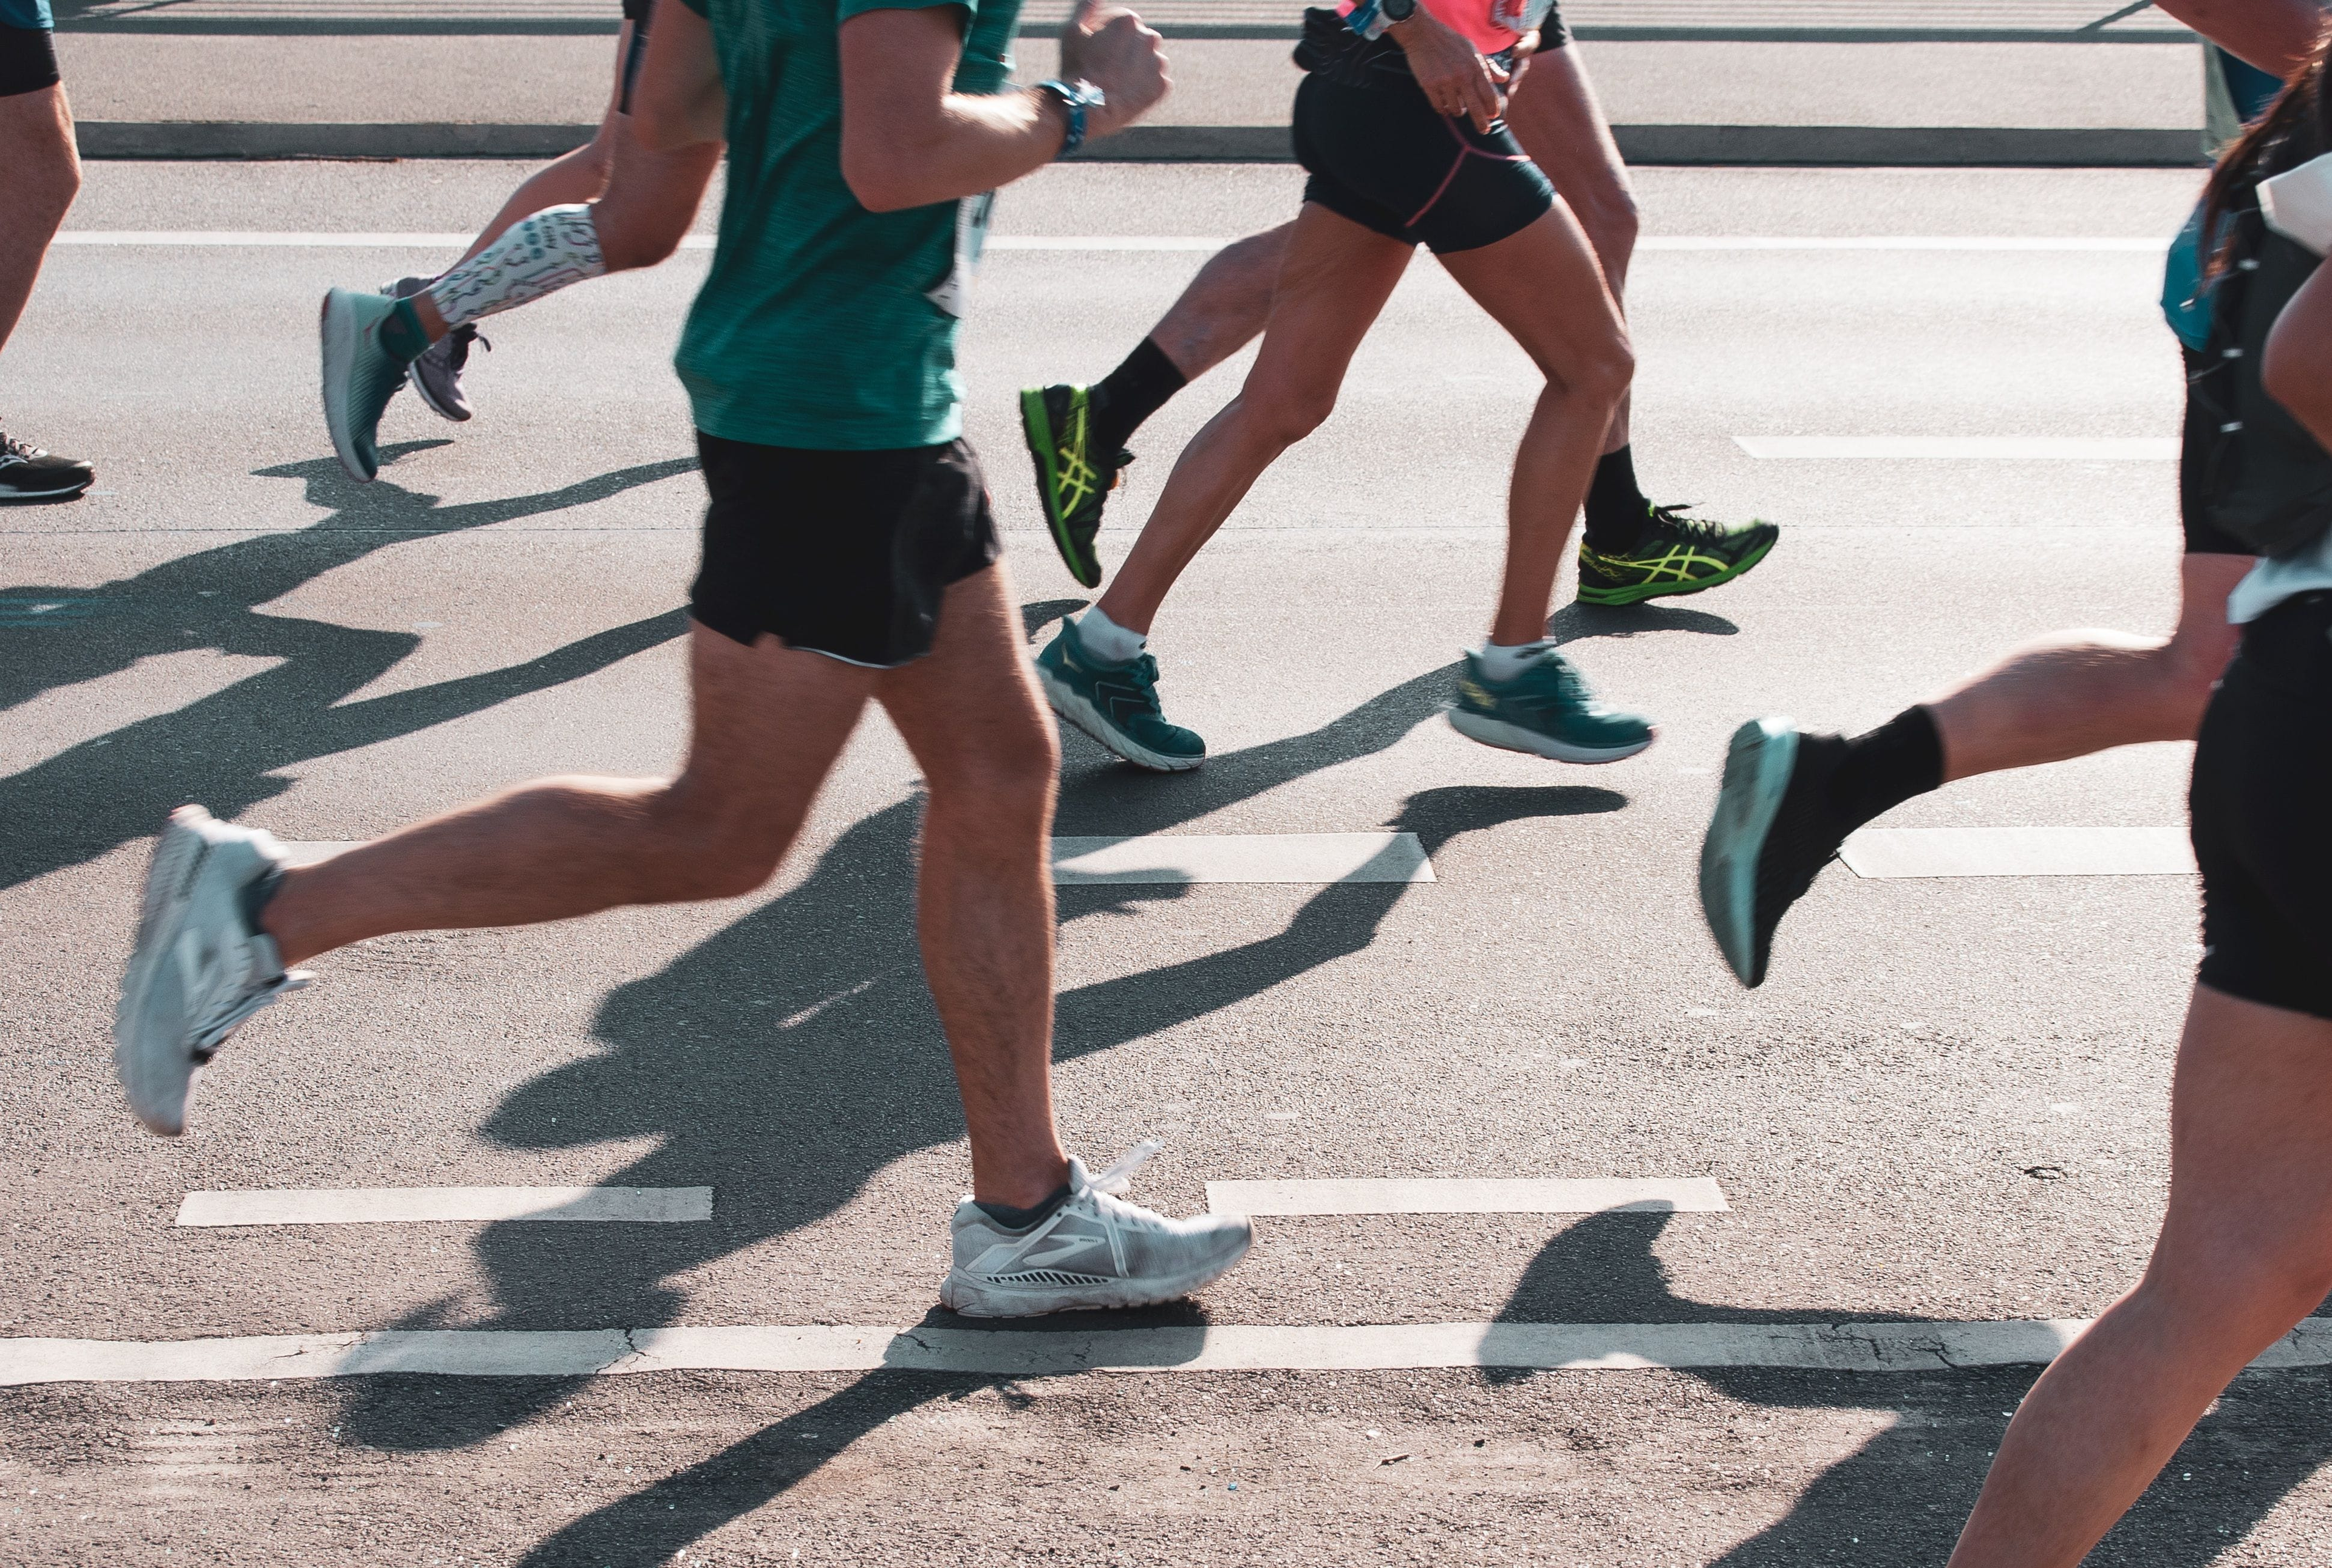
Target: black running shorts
2262 826
1379 154
2203 536
28 60
841 553
637 12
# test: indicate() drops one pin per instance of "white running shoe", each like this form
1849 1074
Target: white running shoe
199 968
1096 1250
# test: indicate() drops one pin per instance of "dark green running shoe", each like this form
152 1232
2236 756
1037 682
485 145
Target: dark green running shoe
1116 704
1677 555
1071 481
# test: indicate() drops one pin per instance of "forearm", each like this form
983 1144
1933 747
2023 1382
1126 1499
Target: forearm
2276 36
975 143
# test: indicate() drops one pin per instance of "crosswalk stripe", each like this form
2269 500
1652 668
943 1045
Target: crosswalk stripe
1188 857
1967 448
1912 852
413 1205
1691 1195
1825 1346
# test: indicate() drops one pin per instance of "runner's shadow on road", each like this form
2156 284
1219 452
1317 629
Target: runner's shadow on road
1576 622
228 749
1903 1495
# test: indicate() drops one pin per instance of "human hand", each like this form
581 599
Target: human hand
1457 80
1108 46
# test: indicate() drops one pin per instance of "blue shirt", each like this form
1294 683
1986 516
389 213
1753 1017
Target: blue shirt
27 13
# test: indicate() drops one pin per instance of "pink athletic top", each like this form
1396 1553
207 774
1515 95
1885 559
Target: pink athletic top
1491 26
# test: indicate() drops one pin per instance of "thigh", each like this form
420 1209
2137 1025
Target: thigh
2202 635
1543 286
973 703
766 723
1556 117
1333 281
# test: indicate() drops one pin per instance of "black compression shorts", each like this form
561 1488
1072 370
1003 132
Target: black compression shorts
1384 157
28 60
842 553
2262 833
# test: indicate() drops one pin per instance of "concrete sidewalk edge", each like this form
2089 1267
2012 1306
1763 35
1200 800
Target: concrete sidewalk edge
1847 144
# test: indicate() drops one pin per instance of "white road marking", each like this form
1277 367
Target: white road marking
1691 1195
1184 858
321 239
1865 1347
1178 857
1885 852
412 1205
1967 448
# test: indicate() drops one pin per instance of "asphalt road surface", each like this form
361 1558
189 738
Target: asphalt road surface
1947 1106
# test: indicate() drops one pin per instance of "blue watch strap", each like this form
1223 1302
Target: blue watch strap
1072 104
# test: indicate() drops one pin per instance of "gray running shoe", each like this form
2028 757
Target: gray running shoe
1096 1250
436 375
199 967
360 377
29 474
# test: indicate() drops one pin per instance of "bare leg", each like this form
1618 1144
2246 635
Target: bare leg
2075 693
1336 278
1542 286
1555 116
1222 309
40 175
971 714
2245 1253
768 722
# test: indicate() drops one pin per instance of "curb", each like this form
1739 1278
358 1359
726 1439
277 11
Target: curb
1746 145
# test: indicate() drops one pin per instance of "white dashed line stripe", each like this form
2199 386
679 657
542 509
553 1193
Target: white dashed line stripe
316 239
419 1205
1912 852
1177 857
1188 857
1965 448
1692 1195
1859 1347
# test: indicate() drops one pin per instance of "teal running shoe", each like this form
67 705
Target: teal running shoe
1546 711
360 377
1116 704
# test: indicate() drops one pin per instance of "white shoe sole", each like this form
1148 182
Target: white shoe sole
337 325
1508 737
1757 767
139 1059
960 1293
1088 719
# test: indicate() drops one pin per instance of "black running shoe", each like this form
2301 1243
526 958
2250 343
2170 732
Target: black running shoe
1773 831
1072 478
1676 554
436 375
29 474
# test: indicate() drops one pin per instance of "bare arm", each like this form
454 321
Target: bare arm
2275 35
2296 369
909 140
679 101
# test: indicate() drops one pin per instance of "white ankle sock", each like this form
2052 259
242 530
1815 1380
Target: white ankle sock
1108 641
1502 663
536 255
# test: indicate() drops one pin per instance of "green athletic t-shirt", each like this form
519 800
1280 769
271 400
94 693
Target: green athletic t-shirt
823 325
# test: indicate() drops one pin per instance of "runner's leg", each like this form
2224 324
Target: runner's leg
40 175
2245 1252
768 724
971 715
1333 282
1542 284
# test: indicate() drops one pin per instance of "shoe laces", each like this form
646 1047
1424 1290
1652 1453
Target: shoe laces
12 447
465 335
1675 519
1115 1179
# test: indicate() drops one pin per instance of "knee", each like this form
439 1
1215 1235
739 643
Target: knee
1285 416
1009 781
2251 1303
711 851
1612 226
1599 375
48 183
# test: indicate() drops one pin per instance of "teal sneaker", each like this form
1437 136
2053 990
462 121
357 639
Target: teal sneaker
1116 704
1546 711
360 377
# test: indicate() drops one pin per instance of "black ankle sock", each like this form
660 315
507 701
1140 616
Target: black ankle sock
401 333
1616 508
1902 758
1132 393
1013 1218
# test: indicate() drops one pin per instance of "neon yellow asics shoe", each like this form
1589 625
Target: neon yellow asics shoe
1073 480
1677 555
